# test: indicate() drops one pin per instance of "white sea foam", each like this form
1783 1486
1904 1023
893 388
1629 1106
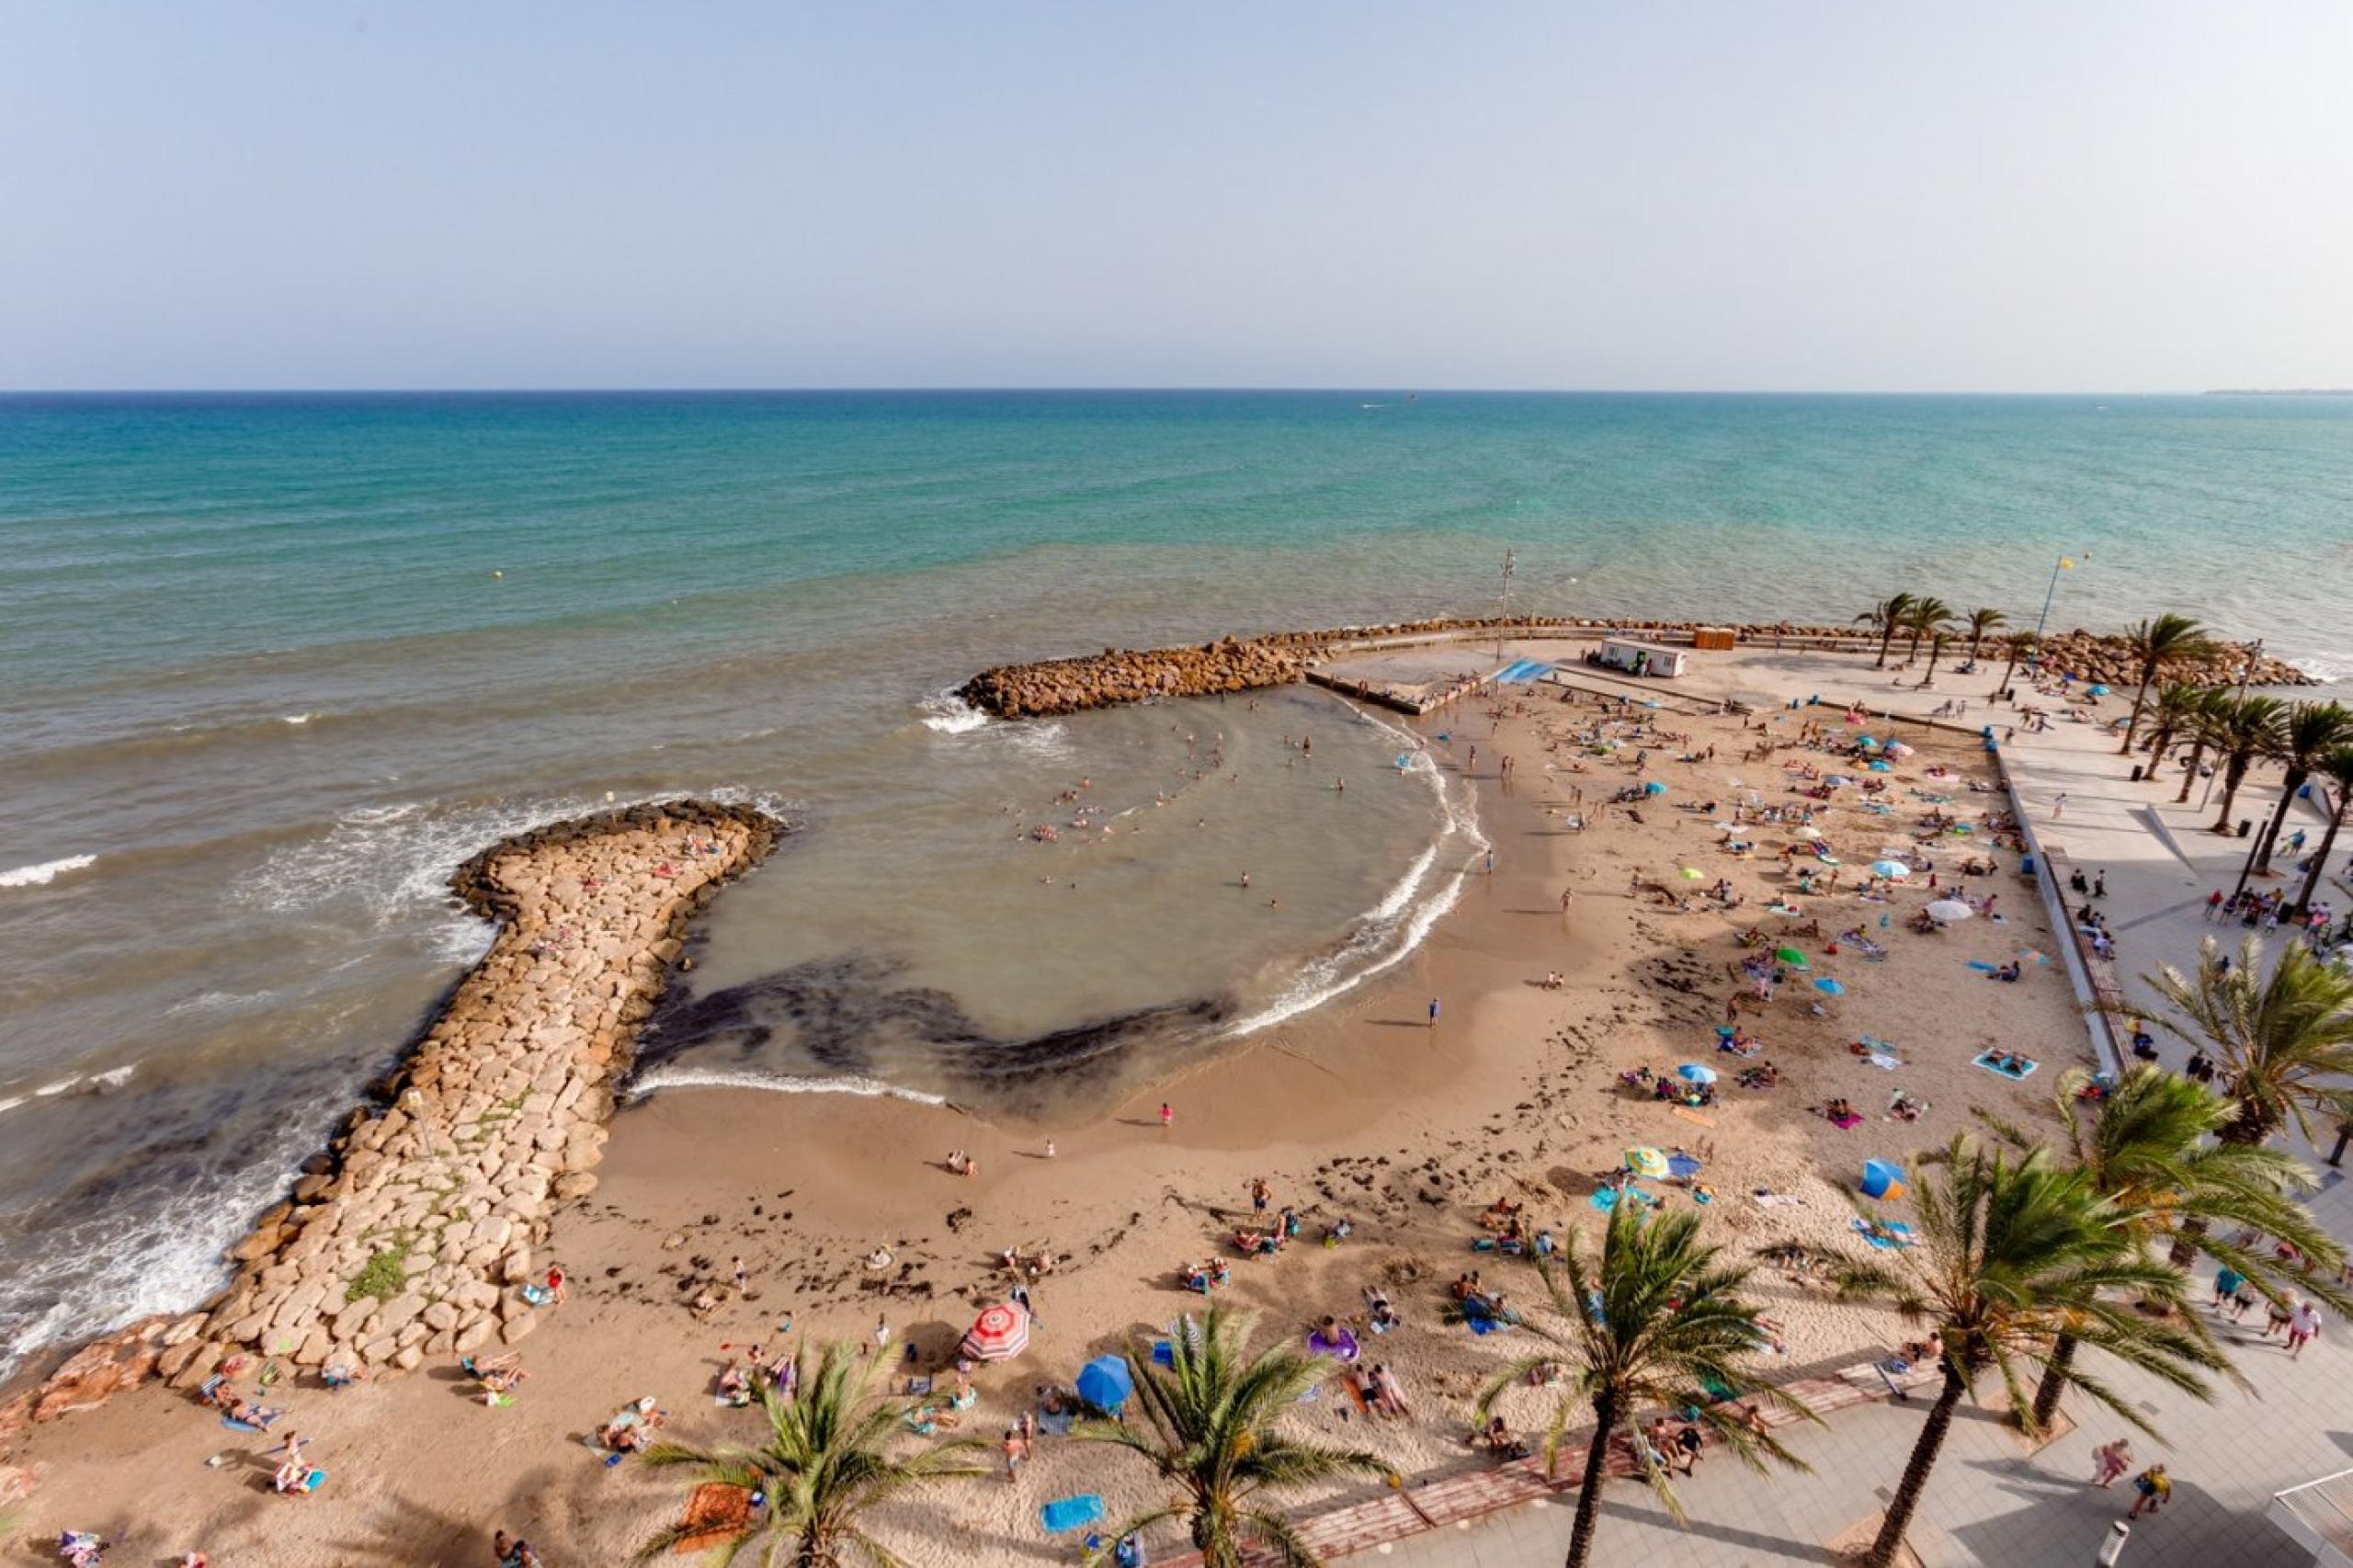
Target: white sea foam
780 1084
49 1090
12 1103
46 872
2328 669
113 1078
1390 929
951 715
293 718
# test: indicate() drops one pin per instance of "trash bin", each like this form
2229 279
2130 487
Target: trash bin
2246 825
2137 771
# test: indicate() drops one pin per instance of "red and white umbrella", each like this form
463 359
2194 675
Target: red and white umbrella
1002 1331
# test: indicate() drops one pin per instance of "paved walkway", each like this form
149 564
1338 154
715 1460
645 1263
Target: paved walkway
1991 1500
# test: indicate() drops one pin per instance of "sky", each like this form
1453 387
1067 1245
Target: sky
2145 195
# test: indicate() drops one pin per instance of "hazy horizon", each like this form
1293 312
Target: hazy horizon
2105 199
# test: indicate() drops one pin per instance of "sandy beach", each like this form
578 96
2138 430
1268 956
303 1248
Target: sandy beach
1360 1110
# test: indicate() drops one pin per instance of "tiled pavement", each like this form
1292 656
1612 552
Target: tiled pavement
1990 1502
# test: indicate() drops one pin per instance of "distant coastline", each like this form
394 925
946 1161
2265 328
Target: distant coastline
2277 391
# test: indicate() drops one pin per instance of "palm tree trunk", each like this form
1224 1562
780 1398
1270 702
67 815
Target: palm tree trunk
2288 788
1924 1450
1936 651
2010 669
2054 1381
1886 640
1597 1460
2327 843
2233 774
2148 674
2189 769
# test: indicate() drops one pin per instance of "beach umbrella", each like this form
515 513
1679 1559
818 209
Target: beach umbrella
1879 768
1682 1166
1653 787
1883 1179
1692 1073
1898 750
1646 1163
1891 869
2097 691
1106 1382
1829 987
1001 1332
1838 779
1691 873
1867 739
1809 833
1791 957
1949 909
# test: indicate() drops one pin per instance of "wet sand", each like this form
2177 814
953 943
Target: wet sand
1357 1109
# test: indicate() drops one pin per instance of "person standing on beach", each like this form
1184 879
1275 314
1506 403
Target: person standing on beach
1167 1116
1433 1012
2058 806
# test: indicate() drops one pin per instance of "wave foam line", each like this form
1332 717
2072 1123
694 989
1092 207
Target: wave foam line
46 872
950 714
777 1084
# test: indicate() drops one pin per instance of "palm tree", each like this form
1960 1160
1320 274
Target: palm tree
1211 1430
2169 719
1886 618
1653 1321
2146 1149
2337 764
2309 730
2283 1041
2007 1256
822 1464
1936 651
1927 615
1980 621
2021 645
2244 727
2200 724
2168 636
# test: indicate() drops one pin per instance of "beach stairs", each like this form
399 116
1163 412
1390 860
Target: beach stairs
1458 1499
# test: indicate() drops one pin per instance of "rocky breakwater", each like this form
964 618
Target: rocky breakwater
2090 656
406 1237
1118 675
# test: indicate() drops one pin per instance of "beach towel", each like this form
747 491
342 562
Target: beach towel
1890 1062
1070 1513
1164 1353
1054 1423
1775 1201
1847 1122
1604 1198
236 1425
1981 966
716 1513
1689 1114
1897 1242
2018 1075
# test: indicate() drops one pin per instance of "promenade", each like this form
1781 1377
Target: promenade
1991 1500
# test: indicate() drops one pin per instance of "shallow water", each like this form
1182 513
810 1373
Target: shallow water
263 690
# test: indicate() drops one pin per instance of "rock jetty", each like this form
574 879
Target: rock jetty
408 1237
2090 656
1118 675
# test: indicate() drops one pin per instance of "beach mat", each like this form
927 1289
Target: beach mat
1687 1114
717 1513
2017 1077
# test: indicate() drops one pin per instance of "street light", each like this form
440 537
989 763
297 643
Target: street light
2065 563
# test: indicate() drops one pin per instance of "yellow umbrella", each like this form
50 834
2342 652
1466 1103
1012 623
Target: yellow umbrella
1646 1163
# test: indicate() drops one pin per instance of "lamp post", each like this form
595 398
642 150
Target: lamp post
2064 563
1508 566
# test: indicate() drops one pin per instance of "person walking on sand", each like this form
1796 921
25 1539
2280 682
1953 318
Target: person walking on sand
2058 806
881 1333
1433 1012
1167 1116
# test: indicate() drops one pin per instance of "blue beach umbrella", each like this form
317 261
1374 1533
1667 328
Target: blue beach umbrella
1653 787
1106 1382
1891 869
1682 1166
1692 1073
1829 987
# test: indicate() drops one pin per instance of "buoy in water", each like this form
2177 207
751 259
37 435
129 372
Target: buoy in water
497 574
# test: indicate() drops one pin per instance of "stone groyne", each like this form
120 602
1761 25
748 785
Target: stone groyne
407 1237
2091 656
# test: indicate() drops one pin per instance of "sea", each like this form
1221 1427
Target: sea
272 665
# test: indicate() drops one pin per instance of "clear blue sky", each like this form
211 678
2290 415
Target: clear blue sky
2141 195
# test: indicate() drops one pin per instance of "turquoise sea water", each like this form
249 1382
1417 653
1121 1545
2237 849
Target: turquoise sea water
269 667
